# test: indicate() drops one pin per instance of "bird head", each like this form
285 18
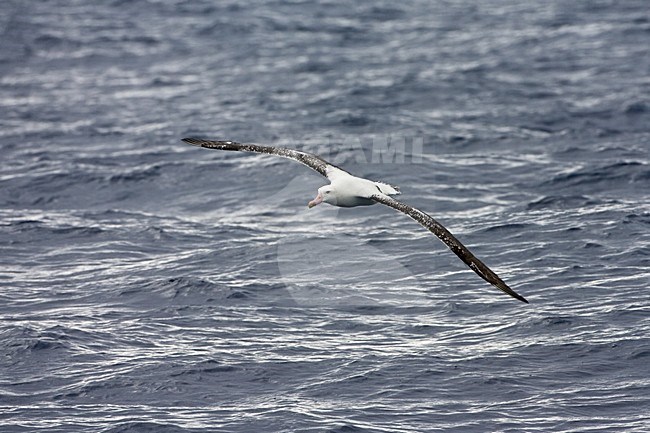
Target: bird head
326 194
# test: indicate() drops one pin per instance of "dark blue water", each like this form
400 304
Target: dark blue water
150 286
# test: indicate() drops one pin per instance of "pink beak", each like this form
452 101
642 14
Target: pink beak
318 200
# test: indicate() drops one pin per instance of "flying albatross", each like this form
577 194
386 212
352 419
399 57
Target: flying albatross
346 190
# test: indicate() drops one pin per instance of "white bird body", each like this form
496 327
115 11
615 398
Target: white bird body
346 190
349 192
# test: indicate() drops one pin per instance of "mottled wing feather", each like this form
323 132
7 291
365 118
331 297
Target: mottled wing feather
450 240
312 161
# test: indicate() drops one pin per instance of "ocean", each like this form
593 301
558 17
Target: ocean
150 286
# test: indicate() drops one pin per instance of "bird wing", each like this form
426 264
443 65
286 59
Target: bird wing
311 160
450 240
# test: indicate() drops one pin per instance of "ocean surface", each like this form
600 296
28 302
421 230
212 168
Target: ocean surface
150 286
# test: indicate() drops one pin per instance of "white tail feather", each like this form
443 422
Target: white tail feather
387 189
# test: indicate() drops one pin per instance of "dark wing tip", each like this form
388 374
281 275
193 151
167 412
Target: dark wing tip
504 287
213 144
192 141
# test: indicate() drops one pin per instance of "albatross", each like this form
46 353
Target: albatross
346 190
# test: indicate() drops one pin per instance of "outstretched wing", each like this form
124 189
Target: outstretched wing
450 240
312 161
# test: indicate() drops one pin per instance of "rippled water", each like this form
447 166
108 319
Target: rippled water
151 286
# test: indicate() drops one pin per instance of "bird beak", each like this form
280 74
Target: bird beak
316 201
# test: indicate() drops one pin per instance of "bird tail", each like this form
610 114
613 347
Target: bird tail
387 189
